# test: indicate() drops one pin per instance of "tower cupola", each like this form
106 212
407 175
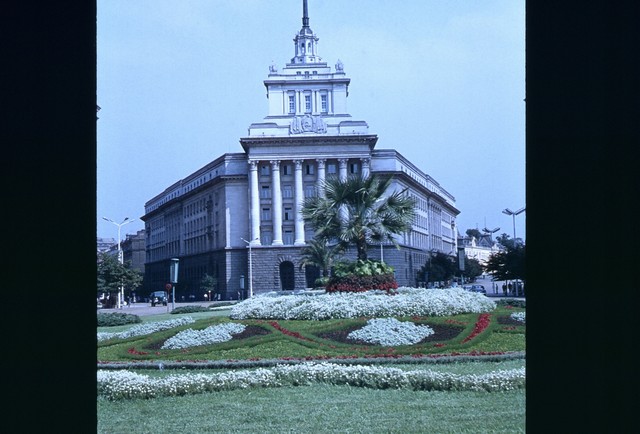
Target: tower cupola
306 42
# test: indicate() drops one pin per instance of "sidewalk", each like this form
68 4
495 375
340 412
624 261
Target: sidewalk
145 309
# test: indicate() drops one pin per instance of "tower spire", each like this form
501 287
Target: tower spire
305 14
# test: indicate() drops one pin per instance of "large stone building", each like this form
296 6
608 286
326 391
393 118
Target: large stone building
209 219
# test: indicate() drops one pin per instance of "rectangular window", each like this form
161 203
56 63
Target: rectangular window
309 169
264 170
331 168
307 103
266 238
353 167
265 192
292 104
288 213
266 214
287 191
310 191
286 169
287 238
323 101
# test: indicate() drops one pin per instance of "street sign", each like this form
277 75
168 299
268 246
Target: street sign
168 287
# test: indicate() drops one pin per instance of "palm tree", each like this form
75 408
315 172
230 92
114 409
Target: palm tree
356 211
318 254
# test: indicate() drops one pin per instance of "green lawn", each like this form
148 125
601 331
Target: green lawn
318 408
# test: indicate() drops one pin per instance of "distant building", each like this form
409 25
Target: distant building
105 244
306 137
479 248
133 250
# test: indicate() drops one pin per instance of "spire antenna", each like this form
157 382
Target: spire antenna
305 14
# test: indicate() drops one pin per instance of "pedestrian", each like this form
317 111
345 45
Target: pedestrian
504 289
510 286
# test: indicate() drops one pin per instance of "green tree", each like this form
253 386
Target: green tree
474 233
472 268
507 242
508 264
318 254
209 284
357 212
438 268
112 274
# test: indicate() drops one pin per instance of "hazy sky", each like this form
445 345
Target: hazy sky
442 82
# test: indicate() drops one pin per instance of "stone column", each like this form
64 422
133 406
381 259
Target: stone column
255 203
365 167
344 212
299 199
276 202
321 176
343 168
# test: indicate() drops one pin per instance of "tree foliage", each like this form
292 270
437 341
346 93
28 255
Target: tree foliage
474 233
317 253
472 268
112 274
438 268
508 264
357 212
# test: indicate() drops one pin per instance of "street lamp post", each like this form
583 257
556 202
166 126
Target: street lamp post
513 214
250 267
120 255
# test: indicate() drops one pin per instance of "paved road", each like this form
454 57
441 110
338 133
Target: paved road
145 309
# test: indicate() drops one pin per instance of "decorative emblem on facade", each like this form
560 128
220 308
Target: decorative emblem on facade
339 66
307 124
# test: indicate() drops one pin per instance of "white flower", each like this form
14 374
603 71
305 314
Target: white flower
147 328
408 302
391 332
518 316
210 335
125 384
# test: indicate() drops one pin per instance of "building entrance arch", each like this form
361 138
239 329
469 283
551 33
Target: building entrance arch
287 276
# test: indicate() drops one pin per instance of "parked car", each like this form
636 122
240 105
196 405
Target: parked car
158 297
478 288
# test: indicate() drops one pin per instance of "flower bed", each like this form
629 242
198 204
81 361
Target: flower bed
146 328
210 335
407 302
391 332
115 385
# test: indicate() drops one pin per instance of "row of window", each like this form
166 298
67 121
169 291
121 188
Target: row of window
309 169
324 107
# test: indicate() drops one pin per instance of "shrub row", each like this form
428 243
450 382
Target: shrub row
117 319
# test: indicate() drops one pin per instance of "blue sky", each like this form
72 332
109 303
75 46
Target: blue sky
442 82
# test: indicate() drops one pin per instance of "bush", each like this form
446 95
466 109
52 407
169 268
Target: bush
512 302
117 319
362 275
354 283
189 309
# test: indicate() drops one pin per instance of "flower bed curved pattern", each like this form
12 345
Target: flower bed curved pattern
115 385
210 335
391 332
147 328
407 302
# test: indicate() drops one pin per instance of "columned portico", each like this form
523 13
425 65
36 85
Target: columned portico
299 198
277 203
255 203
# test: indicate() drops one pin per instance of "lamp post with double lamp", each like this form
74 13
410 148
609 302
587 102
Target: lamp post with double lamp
250 267
513 214
120 256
